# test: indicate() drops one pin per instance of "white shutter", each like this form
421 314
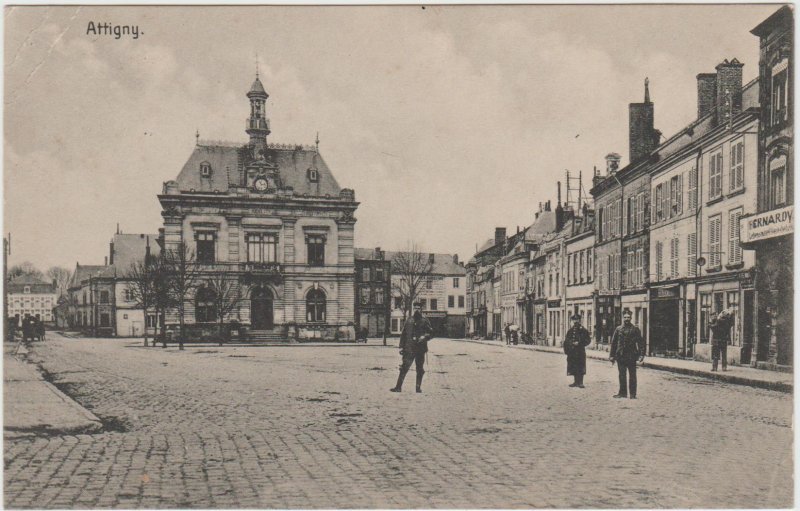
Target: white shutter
692 189
734 247
659 253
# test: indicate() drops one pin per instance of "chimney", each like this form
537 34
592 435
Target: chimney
559 194
111 252
612 163
431 258
147 256
499 235
642 137
455 258
706 93
729 90
547 206
559 217
377 253
105 261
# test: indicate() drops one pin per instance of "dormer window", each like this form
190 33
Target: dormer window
205 169
27 290
313 175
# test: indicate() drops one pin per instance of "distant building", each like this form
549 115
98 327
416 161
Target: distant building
124 251
373 291
29 295
579 295
447 279
91 300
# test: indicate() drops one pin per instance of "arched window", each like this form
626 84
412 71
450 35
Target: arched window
315 306
204 308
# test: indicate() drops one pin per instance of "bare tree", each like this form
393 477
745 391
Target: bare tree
410 270
162 295
25 268
183 274
227 297
61 276
140 280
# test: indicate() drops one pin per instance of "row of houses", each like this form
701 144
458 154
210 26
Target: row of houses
695 223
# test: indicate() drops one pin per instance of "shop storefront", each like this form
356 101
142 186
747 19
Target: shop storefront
608 315
667 321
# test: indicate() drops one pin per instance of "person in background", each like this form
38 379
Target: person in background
575 343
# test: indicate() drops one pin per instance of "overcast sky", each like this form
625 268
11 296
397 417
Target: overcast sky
447 121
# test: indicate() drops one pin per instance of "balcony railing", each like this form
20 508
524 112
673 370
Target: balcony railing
261 268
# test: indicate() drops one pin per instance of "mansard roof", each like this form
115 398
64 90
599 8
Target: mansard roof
443 264
36 285
228 164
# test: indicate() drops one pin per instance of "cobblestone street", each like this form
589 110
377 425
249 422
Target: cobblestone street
310 427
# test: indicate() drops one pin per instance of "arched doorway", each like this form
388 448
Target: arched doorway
261 309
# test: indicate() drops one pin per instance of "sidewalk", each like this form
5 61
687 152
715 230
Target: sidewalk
739 375
33 406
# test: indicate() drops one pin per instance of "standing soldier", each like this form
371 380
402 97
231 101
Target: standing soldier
575 347
413 346
627 346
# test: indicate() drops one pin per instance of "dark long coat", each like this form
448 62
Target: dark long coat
627 344
575 347
416 331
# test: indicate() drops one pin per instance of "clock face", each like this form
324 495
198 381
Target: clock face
261 184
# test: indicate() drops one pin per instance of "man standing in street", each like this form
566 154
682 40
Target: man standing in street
627 346
720 336
413 346
575 347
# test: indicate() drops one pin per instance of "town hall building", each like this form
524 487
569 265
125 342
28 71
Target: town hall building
273 219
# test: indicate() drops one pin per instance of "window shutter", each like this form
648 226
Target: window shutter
691 244
692 189
659 261
734 247
740 167
679 194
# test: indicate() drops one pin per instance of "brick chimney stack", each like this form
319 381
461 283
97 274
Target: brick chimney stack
642 135
706 93
499 235
729 90
111 252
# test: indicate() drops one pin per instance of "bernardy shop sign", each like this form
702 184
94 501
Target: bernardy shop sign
770 224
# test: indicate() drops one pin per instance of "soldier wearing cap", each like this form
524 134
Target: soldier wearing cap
413 346
575 347
627 346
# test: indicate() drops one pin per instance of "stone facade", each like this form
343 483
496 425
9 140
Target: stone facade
272 219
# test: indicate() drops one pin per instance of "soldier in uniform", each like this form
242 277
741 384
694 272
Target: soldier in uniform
413 346
627 346
575 347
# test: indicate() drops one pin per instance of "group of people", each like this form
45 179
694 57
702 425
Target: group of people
512 333
32 328
627 348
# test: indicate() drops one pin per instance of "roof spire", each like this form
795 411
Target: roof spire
256 64
317 143
647 90
197 137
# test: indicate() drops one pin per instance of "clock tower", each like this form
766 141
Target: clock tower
258 124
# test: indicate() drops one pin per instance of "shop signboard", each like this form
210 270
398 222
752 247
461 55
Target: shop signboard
770 224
